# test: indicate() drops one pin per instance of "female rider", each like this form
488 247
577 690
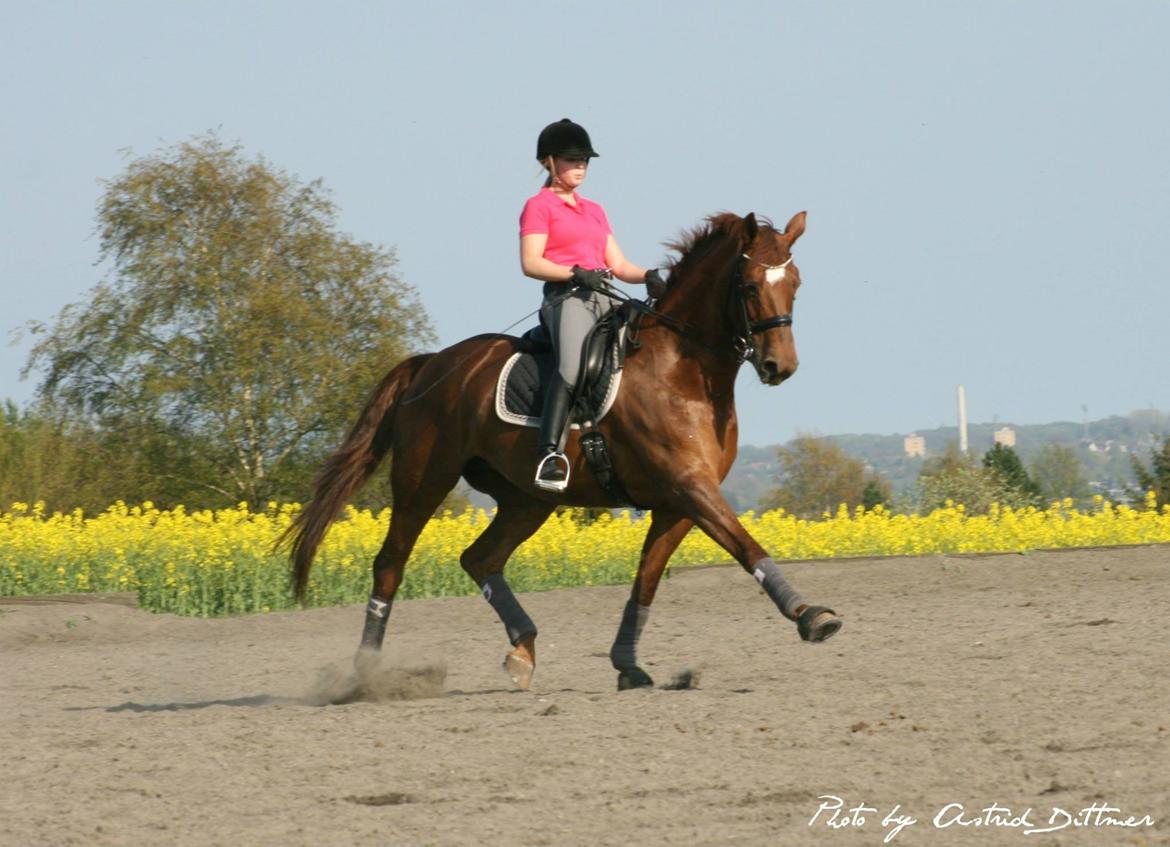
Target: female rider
566 241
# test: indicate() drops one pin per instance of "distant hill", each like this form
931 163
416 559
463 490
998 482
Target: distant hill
1104 447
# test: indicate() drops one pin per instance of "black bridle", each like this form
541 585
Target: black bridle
738 294
741 291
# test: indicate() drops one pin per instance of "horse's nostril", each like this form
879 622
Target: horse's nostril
774 373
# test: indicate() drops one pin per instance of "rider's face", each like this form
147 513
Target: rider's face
570 172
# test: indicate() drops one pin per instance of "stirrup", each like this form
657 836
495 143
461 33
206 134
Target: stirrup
553 484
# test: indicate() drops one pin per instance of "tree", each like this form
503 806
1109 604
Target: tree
816 476
1004 462
955 477
46 455
237 331
1057 472
876 493
1156 477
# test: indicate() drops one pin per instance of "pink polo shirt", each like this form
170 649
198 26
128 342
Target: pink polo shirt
577 235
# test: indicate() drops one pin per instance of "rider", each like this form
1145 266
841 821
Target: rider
566 241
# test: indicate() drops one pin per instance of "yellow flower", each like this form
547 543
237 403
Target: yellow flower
214 562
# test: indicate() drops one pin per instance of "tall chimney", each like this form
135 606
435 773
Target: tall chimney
962 420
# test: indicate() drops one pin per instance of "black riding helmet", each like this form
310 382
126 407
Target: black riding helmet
566 139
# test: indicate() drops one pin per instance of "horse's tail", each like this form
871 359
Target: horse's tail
350 465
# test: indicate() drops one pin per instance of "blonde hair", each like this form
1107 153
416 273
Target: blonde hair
550 167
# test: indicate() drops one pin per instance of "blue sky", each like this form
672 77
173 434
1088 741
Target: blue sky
988 184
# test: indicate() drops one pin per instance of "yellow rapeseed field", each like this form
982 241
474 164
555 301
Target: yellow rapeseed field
221 562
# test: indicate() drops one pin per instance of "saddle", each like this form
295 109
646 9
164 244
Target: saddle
520 387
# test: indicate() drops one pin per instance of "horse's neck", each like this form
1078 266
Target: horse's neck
700 301
692 360
700 297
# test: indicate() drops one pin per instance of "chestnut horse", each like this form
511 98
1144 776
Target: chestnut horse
672 435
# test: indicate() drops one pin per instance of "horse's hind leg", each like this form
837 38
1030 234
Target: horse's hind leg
515 521
419 487
666 532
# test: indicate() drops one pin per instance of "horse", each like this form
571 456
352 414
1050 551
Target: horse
672 434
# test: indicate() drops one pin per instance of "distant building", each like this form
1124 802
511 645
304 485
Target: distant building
914 444
1005 436
1107 446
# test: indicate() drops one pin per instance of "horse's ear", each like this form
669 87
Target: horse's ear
750 227
795 227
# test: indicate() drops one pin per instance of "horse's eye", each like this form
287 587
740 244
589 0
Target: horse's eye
751 289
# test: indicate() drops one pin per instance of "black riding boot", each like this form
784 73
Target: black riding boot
552 472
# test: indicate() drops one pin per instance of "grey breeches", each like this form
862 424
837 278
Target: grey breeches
569 321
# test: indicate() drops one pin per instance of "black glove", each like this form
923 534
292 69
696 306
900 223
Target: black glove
655 284
593 280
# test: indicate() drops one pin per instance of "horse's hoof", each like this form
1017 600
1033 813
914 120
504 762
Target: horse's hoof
634 677
817 624
519 670
366 661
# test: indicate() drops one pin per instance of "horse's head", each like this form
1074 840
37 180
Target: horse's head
738 274
761 297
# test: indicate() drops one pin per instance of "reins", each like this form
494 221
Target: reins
406 401
741 347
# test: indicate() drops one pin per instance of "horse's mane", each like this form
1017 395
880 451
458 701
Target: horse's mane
695 244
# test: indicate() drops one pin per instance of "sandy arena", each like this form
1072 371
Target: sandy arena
1028 681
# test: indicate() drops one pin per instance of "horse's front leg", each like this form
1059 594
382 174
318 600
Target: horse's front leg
667 530
705 505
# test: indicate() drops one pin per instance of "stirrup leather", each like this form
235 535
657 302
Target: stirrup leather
553 484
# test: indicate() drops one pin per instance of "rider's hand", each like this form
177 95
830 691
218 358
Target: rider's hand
593 280
655 284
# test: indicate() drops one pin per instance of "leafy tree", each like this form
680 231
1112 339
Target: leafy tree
237 331
876 493
1156 477
816 476
955 477
47 456
32 450
1005 463
1058 474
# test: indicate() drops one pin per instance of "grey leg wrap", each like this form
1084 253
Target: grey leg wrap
377 614
786 598
623 654
516 621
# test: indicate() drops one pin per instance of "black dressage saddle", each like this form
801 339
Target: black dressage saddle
601 364
520 391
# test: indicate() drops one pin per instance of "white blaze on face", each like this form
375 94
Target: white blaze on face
774 275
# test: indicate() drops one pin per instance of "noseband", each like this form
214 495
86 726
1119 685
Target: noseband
741 291
738 294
